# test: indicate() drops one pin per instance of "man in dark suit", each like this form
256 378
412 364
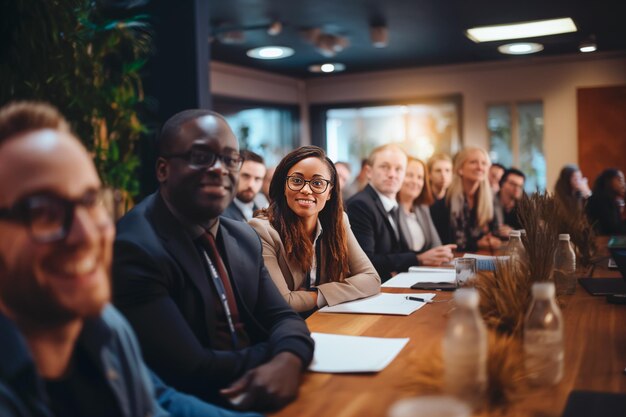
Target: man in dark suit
251 176
379 224
194 286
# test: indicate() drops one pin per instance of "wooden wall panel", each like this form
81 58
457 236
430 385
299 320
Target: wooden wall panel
601 129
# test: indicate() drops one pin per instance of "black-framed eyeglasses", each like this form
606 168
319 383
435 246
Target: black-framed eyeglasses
49 217
317 185
203 159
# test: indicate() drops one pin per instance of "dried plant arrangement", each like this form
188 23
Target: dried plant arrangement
505 371
539 215
505 296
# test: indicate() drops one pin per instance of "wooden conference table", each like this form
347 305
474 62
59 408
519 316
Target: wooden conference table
595 357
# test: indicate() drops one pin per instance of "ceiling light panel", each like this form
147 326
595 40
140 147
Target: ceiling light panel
270 52
520 48
521 30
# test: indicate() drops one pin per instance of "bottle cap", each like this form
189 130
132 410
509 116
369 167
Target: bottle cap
543 290
515 233
466 297
564 236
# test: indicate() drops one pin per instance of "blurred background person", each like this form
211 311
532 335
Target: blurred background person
605 207
359 182
250 181
496 171
344 175
571 189
440 173
415 198
262 199
466 216
506 200
308 246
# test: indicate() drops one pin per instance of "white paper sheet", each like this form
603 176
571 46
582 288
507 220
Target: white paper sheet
383 303
431 269
407 279
339 354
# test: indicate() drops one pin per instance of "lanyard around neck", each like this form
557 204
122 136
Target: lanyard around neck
221 292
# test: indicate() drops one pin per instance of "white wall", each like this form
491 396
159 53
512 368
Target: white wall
552 80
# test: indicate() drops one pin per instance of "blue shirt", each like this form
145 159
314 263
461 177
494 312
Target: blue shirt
112 347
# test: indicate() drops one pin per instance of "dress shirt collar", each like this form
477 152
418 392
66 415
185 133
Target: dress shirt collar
247 209
388 203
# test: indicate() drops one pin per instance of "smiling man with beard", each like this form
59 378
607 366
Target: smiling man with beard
63 350
194 286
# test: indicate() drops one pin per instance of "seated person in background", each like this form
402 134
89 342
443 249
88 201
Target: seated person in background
64 350
605 207
359 182
378 224
344 173
308 246
440 173
415 198
250 181
261 200
466 216
506 200
571 189
496 171
194 286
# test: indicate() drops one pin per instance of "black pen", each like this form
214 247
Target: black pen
422 300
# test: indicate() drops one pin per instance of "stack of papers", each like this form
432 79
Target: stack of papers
338 354
383 303
426 275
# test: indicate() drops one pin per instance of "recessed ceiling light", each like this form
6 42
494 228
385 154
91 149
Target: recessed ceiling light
328 67
588 45
521 30
588 48
270 52
520 48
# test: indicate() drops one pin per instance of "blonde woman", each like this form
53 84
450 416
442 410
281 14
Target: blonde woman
466 216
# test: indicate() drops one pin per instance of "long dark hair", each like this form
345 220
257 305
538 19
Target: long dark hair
563 189
602 186
290 227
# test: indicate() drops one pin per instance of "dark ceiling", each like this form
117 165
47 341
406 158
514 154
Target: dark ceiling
421 32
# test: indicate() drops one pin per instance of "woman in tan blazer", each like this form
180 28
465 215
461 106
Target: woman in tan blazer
308 246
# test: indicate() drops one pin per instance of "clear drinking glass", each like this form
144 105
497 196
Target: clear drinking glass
465 270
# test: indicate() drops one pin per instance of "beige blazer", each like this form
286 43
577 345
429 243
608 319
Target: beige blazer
362 281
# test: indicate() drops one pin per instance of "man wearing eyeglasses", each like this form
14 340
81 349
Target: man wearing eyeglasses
194 286
506 200
64 350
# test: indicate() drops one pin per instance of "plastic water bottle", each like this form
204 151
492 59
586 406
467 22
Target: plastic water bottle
564 266
465 350
515 249
543 337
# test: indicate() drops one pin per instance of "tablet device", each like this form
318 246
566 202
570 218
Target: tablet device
434 286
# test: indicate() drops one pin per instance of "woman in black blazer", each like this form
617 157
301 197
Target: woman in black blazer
605 207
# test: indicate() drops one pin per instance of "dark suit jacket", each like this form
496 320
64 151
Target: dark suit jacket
234 212
160 284
373 231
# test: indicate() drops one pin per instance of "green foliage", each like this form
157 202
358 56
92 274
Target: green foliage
75 55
